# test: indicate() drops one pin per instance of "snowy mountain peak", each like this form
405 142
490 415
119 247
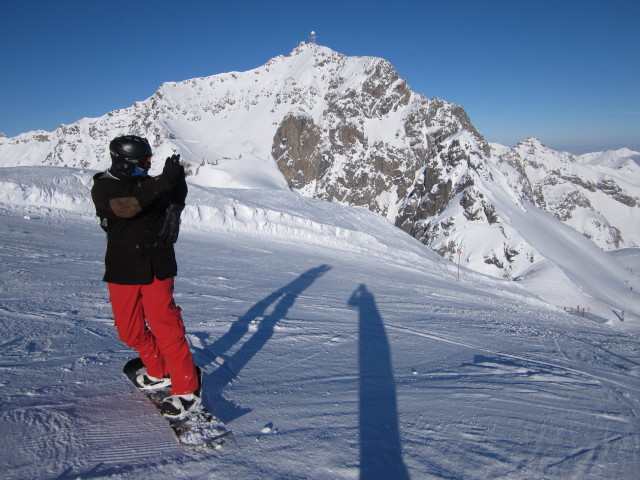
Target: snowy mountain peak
534 150
351 131
531 142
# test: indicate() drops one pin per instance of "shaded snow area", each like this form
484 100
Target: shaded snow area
333 345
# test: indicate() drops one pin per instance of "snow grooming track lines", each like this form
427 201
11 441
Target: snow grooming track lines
529 360
48 438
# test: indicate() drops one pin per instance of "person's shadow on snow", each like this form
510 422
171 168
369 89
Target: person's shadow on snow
230 367
380 444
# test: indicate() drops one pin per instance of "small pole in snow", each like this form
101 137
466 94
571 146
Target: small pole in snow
313 37
459 253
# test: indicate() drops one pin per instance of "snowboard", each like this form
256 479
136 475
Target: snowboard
201 428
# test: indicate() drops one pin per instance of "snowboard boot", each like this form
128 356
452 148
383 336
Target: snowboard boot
147 383
177 407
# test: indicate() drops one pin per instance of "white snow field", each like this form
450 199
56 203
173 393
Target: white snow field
334 346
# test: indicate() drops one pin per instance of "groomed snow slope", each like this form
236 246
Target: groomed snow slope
350 351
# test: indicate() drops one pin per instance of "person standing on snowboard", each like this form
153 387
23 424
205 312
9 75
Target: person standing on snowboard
141 215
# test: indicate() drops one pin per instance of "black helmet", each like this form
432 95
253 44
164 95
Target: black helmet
129 152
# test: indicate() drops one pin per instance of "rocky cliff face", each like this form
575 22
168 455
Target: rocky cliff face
350 130
375 143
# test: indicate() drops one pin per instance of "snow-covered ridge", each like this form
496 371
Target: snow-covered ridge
621 159
289 216
275 214
597 194
47 188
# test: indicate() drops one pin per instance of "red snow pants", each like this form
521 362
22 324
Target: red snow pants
148 320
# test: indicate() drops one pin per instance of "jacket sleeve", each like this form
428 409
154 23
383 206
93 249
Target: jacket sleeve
114 198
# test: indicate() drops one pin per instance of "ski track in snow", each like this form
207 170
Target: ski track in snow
509 357
325 363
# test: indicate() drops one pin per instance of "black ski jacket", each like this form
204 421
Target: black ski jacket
132 210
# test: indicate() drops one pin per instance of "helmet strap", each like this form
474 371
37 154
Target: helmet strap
124 167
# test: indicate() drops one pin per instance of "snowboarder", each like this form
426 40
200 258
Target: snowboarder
141 215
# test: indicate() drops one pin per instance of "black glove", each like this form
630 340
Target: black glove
173 171
179 192
171 226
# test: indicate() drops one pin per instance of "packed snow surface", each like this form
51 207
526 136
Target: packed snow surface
334 346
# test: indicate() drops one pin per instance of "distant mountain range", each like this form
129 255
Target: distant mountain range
350 130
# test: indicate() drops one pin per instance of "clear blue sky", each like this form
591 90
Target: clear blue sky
565 71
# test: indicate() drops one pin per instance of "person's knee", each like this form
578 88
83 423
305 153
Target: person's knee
139 341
